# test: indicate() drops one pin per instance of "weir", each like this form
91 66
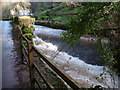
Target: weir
28 56
75 79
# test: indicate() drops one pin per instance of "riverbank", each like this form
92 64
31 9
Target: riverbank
52 24
61 25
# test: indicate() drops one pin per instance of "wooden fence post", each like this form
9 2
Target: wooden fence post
31 67
20 40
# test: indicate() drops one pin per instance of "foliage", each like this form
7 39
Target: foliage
18 7
52 24
41 9
48 13
59 12
44 18
54 84
97 17
108 55
36 17
87 20
15 20
29 36
24 43
28 32
5 7
58 18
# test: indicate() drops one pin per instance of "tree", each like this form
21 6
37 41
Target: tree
6 6
21 8
95 17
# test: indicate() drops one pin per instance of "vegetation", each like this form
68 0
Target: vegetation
26 30
58 12
97 17
5 9
100 19
13 8
52 24
15 20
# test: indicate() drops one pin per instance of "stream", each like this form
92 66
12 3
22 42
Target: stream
79 62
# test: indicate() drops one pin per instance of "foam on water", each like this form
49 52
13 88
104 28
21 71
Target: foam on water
83 73
42 30
47 31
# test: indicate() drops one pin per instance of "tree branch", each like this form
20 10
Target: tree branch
108 29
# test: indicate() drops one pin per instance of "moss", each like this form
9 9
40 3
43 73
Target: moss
24 43
28 32
54 84
29 36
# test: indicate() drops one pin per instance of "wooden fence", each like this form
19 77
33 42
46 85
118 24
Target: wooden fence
27 54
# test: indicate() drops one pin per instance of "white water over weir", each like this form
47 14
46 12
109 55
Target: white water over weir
86 75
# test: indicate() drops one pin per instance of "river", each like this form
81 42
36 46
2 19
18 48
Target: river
79 62
84 49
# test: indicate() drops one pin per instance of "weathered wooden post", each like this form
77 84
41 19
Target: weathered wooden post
27 22
31 63
20 40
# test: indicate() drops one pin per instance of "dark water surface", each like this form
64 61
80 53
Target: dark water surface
85 50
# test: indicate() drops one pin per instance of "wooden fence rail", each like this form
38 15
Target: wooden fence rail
27 54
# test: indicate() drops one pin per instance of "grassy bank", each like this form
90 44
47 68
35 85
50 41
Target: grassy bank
57 13
52 25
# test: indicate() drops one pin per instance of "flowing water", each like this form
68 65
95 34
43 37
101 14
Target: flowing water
79 62
83 49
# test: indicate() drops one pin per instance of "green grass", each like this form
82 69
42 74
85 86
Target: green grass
44 12
59 18
58 13
52 25
66 10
